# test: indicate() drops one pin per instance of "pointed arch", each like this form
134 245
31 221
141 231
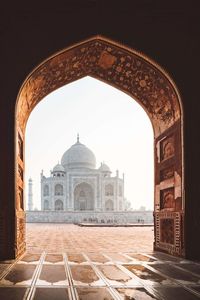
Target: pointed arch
146 82
59 204
109 205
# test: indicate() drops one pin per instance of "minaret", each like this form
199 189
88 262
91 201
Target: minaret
123 201
30 194
117 191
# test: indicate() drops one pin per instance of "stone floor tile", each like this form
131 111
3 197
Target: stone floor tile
94 294
115 276
147 275
166 257
83 274
54 258
170 293
117 257
136 294
195 268
76 258
10 293
177 274
97 258
30 258
52 275
140 257
51 294
20 274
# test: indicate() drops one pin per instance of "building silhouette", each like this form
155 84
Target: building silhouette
77 185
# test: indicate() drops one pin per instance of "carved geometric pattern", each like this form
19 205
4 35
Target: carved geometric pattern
119 66
160 239
167 231
20 147
167 148
182 234
20 199
20 245
167 200
20 172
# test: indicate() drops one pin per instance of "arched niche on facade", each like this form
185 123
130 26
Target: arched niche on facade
147 83
83 197
109 189
109 205
59 205
58 189
46 190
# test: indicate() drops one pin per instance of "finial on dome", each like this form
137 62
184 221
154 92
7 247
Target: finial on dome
78 138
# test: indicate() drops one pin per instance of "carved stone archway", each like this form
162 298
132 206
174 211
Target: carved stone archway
83 197
142 79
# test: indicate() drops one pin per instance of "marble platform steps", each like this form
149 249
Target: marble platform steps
99 276
114 225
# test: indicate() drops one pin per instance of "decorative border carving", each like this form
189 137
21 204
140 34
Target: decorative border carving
167 231
123 68
20 148
20 199
20 173
176 247
20 241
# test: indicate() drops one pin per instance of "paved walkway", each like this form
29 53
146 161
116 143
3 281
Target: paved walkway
57 238
96 264
100 276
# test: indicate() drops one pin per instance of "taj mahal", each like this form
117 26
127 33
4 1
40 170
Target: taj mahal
76 191
77 185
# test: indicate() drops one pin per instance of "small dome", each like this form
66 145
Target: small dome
104 168
58 168
78 156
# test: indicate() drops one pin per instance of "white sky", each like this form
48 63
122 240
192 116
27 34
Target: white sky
112 124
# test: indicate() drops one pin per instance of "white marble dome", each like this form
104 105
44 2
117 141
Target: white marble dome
104 168
58 168
78 156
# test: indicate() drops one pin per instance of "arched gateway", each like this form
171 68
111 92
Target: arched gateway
83 197
142 79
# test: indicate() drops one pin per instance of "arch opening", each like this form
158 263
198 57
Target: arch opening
58 190
83 197
145 81
59 205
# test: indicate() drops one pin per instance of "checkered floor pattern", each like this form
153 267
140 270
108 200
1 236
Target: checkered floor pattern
99 275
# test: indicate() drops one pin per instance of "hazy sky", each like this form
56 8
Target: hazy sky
112 124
